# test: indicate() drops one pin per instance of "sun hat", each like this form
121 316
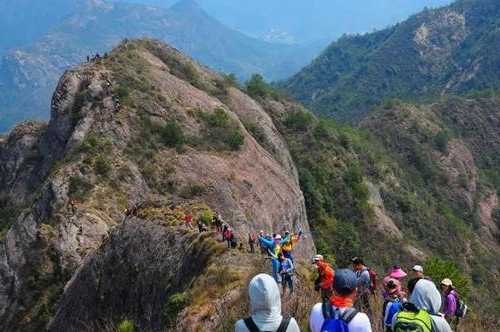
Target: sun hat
418 268
447 282
397 272
277 237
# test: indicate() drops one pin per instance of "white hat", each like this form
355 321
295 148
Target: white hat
418 268
277 237
317 258
446 282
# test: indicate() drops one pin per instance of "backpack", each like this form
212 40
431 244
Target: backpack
373 280
334 320
411 319
461 309
252 327
395 307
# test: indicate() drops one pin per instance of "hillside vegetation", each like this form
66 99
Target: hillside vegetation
92 203
454 49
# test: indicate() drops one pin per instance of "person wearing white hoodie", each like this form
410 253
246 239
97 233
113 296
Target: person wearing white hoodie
265 303
425 296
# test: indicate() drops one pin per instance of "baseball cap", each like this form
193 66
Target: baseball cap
446 282
345 279
418 268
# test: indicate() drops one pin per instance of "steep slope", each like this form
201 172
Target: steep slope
414 184
149 131
448 50
29 75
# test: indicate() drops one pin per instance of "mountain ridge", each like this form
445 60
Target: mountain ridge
440 51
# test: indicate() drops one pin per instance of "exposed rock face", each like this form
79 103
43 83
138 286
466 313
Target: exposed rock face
104 151
133 274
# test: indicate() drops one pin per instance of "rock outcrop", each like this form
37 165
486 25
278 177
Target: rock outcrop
144 124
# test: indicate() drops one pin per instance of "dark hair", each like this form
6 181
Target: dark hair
412 283
344 291
391 284
357 260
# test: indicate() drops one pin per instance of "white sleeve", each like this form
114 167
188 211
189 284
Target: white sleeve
293 326
360 323
316 318
240 326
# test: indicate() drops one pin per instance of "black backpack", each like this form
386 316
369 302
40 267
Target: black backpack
253 328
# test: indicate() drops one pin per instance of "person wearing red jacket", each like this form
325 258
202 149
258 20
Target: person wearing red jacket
326 276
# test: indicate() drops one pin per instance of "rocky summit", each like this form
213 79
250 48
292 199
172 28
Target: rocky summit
92 202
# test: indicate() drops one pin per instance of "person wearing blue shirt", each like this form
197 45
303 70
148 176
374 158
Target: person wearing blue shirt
274 249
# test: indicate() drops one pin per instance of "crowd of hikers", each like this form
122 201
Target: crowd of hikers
345 294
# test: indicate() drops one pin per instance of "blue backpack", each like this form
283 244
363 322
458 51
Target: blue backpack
394 308
335 321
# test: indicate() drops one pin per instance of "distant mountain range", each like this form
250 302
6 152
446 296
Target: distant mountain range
453 49
303 21
28 75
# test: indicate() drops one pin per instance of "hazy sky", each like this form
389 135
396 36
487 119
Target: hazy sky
308 20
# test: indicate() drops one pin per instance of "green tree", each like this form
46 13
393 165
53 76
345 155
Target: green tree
438 269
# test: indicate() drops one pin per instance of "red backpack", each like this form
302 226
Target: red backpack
373 279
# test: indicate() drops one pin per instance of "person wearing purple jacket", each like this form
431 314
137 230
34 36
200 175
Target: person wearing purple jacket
449 299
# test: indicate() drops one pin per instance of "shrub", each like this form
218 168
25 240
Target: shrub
172 135
192 190
126 326
235 139
439 269
441 140
102 166
207 216
174 306
299 120
79 187
222 133
257 87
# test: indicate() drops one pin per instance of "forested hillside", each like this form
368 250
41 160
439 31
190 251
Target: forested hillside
454 49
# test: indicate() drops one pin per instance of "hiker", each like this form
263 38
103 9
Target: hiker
217 221
88 58
290 244
223 233
263 249
395 274
251 242
393 302
338 314
228 236
273 248
364 284
421 312
449 300
265 306
202 227
326 276
188 219
418 271
286 271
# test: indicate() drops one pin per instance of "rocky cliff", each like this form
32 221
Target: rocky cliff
148 131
